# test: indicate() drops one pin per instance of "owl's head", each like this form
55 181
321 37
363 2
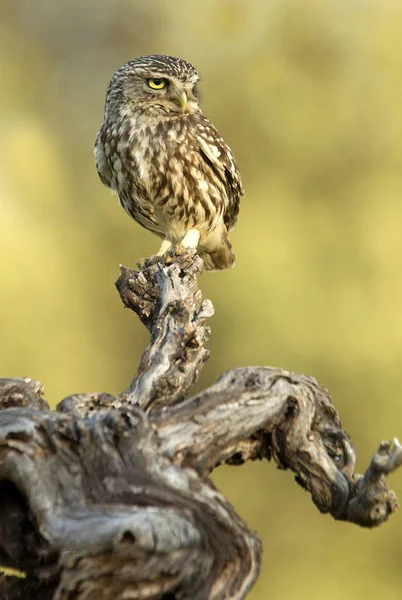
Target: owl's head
154 85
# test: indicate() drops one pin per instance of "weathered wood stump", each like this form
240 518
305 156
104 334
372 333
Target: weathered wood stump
108 498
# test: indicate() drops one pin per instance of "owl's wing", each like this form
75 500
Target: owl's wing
220 159
102 166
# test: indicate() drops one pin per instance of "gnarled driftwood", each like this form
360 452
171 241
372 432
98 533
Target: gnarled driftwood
108 498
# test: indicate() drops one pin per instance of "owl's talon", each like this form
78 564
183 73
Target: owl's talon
179 250
182 252
146 263
168 258
141 264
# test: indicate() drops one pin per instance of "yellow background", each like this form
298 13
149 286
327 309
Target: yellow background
308 95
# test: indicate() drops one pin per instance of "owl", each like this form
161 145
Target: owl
170 168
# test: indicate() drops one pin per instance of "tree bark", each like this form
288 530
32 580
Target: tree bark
108 498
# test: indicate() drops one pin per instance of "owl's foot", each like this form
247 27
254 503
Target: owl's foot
146 263
167 259
173 254
167 251
188 245
179 252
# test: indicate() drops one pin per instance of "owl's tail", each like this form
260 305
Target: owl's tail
216 250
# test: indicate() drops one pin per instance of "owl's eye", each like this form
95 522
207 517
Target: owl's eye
156 84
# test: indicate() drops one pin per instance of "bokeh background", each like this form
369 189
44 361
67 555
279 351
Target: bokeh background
308 95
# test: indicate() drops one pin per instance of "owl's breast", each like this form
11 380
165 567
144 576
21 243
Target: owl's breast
172 189
157 152
158 155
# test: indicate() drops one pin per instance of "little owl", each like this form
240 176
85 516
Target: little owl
172 171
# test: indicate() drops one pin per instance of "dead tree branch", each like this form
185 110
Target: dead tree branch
108 498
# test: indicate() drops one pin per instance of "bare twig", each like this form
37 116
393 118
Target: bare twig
168 302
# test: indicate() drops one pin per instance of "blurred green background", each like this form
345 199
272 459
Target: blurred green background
308 95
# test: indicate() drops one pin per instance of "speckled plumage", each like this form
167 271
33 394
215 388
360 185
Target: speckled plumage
172 171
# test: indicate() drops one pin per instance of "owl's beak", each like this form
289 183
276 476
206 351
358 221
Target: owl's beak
183 100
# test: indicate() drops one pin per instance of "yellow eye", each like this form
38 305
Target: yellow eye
156 84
